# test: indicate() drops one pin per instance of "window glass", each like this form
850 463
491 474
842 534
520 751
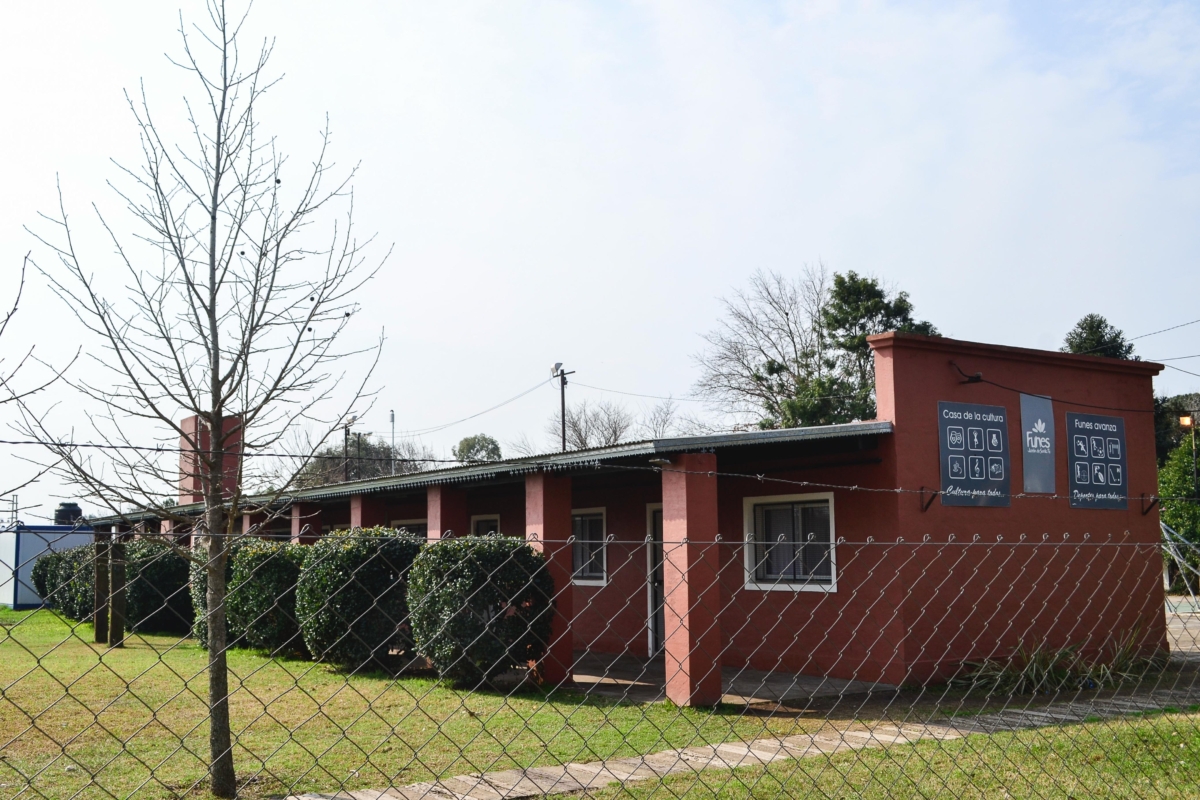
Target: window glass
588 530
792 542
486 525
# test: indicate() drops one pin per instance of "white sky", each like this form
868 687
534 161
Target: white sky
580 182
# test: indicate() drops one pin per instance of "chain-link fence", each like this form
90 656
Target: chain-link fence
374 664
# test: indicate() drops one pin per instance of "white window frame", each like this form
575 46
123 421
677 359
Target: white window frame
480 518
650 509
404 523
748 504
603 512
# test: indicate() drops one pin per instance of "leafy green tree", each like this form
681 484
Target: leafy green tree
1093 335
479 447
794 352
859 307
363 457
1167 431
1175 481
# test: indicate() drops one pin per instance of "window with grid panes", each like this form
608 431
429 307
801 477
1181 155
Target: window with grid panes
588 530
792 543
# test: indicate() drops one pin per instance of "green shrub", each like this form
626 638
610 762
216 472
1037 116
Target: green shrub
75 578
156 597
262 595
479 605
45 575
351 600
198 585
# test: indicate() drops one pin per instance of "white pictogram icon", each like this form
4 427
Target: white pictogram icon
995 469
954 438
1097 447
958 467
1081 450
1098 474
975 438
977 468
1081 471
995 442
1114 448
1114 474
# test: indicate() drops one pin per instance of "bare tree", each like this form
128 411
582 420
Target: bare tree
770 341
9 391
361 457
233 313
661 421
600 425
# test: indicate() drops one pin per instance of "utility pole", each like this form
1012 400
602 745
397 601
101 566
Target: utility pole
392 413
346 448
557 372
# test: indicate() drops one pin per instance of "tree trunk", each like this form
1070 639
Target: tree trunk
100 597
220 739
116 627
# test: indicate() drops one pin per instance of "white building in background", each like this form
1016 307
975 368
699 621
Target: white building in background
22 545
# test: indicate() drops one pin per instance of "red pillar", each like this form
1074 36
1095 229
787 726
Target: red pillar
306 522
447 511
691 589
250 520
367 511
548 530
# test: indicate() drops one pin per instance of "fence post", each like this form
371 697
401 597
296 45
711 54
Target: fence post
116 629
100 595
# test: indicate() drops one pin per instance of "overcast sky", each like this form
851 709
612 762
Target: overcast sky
581 182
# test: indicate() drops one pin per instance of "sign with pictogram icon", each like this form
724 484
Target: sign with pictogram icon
974 454
1096 461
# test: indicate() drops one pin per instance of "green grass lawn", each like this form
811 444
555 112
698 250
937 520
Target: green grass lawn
134 718
77 720
1150 757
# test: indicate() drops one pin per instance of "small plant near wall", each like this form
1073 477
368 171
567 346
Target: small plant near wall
480 605
1048 670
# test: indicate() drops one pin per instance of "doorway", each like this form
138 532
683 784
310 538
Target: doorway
654 578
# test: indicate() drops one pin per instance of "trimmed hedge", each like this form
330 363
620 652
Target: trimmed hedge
45 574
198 586
72 590
262 595
351 600
480 605
156 596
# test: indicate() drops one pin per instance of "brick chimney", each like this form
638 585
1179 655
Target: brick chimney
196 432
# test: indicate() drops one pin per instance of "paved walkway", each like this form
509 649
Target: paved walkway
525 783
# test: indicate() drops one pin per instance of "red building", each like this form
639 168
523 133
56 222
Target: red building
1002 498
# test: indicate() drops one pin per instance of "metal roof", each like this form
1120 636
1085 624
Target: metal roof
565 461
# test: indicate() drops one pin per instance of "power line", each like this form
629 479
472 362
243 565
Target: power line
437 428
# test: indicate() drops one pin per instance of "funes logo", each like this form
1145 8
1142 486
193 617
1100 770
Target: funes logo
1036 440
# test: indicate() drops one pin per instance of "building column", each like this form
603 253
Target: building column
249 520
306 523
447 512
367 511
548 530
691 585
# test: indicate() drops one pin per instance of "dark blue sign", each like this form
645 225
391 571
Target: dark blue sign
1096 461
974 454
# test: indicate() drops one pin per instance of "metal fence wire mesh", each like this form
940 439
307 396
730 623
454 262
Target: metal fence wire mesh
372 664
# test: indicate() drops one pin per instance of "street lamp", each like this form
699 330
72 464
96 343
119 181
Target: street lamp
1189 421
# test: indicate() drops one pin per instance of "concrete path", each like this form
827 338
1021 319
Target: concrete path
524 783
